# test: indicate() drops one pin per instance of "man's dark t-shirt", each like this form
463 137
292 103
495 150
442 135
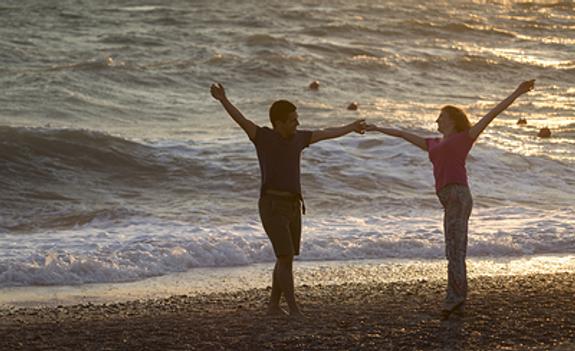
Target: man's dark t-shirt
279 158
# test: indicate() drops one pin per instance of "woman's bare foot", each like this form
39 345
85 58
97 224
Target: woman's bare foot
457 311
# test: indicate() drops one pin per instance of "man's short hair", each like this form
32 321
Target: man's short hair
280 110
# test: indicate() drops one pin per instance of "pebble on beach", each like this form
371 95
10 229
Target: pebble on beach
516 312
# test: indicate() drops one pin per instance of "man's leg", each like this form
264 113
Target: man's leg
274 306
285 280
279 221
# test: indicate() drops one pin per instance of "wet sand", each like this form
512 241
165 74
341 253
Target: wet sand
527 312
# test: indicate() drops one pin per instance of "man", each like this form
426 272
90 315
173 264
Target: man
279 150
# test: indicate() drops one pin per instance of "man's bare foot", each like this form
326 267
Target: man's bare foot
296 314
276 311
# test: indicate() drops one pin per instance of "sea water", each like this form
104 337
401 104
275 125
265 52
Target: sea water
116 164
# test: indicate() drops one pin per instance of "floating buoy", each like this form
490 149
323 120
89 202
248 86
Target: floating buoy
544 132
314 85
521 121
353 106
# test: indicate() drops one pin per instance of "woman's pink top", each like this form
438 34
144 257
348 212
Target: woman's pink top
448 158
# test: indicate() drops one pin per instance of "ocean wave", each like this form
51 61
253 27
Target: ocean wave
76 174
58 178
451 29
474 29
91 65
338 49
82 149
463 62
146 248
132 40
71 218
560 5
344 29
267 41
169 21
143 8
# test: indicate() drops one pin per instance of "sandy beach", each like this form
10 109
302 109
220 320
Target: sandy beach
527 312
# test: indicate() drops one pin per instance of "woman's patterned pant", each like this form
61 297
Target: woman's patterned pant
457 203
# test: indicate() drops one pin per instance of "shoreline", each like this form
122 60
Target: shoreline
510 312
256 276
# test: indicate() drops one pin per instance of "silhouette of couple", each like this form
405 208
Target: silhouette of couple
281 203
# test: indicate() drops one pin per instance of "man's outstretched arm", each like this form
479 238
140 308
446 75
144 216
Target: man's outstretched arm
248 126
329 133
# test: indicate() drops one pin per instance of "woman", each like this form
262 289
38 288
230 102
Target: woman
448 155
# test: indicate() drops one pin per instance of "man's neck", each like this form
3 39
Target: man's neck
283 133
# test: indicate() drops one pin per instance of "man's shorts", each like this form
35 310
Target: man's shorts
281 219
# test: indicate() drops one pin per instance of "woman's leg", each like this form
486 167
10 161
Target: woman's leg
457 203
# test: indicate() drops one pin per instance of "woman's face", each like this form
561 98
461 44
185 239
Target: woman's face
444 123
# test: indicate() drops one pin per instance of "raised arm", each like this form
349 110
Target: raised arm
478 128
412 138
329 133
248 126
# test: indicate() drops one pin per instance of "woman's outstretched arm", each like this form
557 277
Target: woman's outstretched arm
478 128
412 138
335 132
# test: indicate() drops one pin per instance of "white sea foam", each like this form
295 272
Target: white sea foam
257 276
146 247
